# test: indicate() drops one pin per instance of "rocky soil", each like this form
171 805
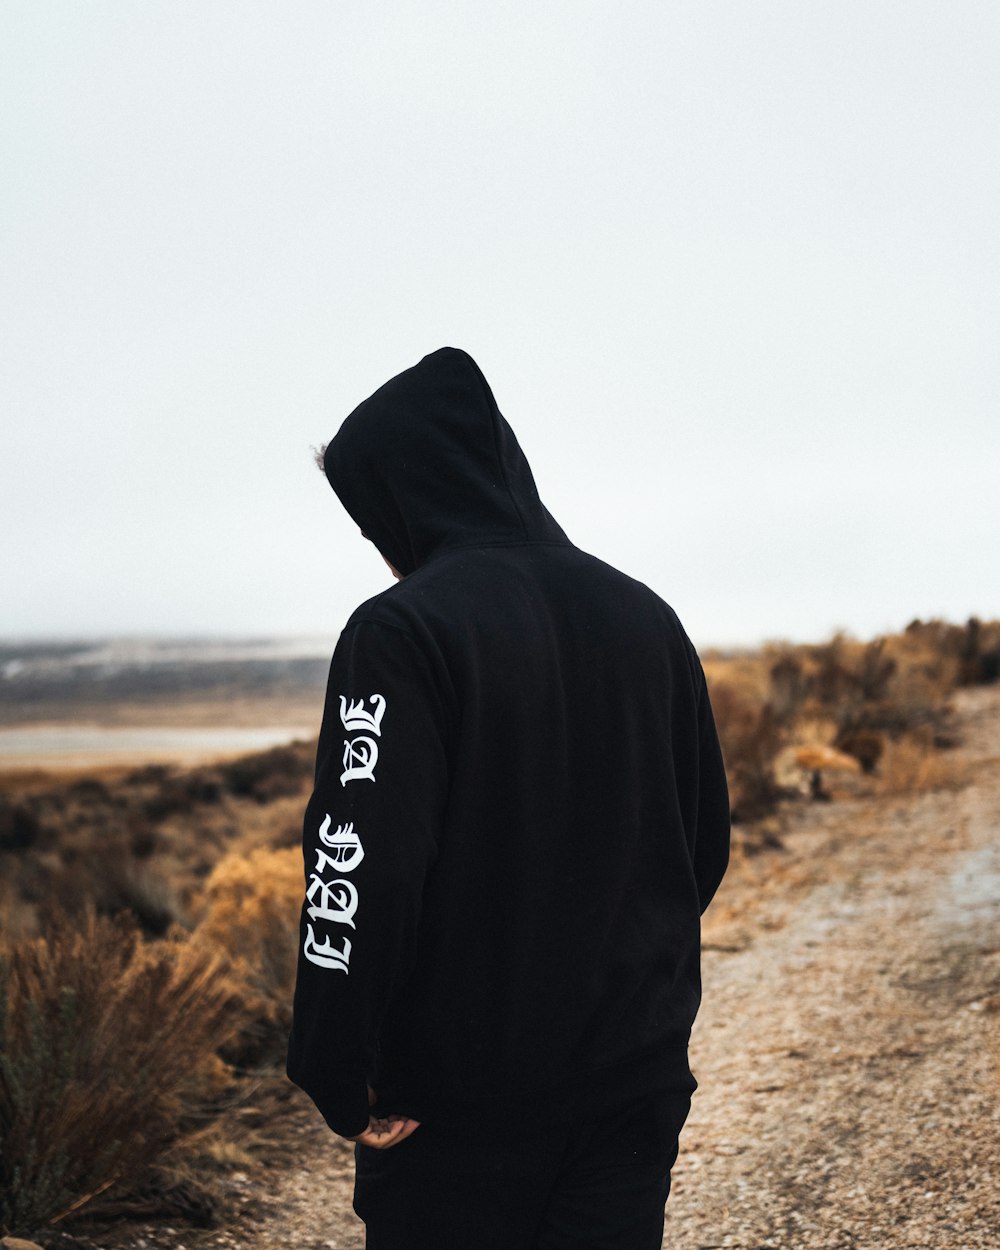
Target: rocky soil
848 1047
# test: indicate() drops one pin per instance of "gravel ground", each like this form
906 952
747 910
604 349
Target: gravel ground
848 1047
849 1054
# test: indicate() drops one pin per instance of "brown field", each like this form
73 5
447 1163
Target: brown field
847 1046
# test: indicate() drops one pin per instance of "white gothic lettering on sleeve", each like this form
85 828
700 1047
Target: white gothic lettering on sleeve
332 900
325 955
337 901
354 716
325 860
360 758
345 845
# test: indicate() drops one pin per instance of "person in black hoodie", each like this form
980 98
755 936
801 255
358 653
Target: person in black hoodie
520 813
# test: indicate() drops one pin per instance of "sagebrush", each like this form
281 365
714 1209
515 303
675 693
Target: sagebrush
106 1047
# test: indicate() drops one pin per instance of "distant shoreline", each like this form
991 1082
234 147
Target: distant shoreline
71 747
248 685
126 702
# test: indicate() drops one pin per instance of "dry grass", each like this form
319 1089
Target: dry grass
251 913
751 737
105 1049
912 766
112 1025
886 703
142 842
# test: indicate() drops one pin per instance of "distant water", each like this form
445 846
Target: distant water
92 702
70 746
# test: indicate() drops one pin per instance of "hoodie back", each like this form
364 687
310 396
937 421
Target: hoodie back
520 809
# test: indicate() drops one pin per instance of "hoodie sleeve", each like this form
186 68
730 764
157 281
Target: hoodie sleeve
711 851
370 836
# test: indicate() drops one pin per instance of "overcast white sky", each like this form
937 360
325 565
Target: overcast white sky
732 269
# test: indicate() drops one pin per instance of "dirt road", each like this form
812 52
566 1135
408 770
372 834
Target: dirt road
849 1054
848 1047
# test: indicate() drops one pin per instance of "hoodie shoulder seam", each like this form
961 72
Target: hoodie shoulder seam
373 620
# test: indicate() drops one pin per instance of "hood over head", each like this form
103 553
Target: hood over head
428 463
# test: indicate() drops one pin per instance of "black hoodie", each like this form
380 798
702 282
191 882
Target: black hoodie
520 809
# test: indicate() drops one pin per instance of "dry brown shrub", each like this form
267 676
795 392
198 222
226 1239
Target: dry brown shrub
867 746
750 737
19 826
862 698
251 912
913 766
143 842
746 670
788 686
104 875
272 774
105 1050
974 647
244 1134
893 683
832 680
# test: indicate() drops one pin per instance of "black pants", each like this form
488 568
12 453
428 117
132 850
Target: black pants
599 1182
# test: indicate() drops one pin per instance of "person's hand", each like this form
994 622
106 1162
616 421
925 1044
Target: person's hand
384 1131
